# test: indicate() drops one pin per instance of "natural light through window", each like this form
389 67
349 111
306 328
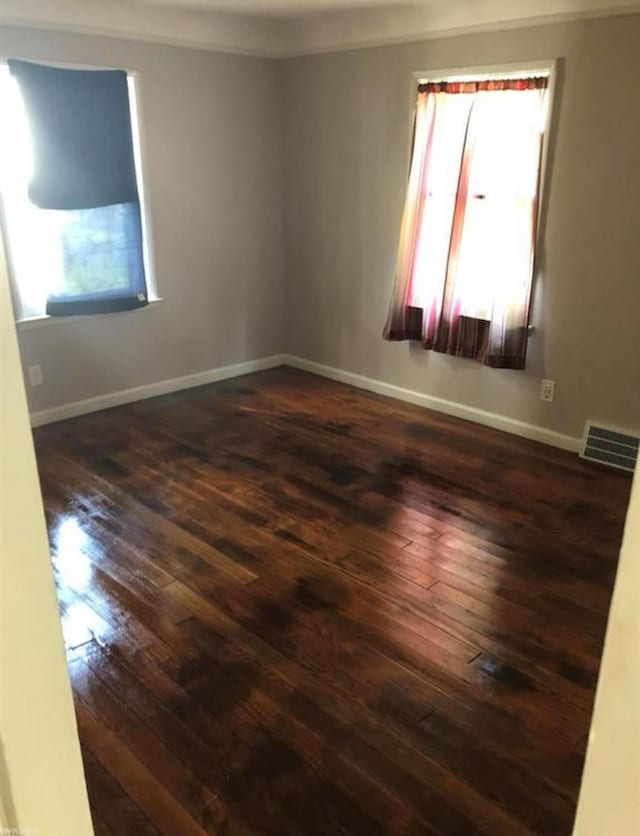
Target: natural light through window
467 242
79 253
495 244
38 267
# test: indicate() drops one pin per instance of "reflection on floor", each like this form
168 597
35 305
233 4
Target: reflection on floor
293 607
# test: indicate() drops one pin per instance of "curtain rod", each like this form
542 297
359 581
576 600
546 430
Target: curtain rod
499 75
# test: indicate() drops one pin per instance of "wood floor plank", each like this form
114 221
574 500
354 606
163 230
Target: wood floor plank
290 606
390 762
217 755
198 800
153 799
110 804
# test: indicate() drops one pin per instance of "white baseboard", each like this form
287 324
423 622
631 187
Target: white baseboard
163 387
469 413
151 390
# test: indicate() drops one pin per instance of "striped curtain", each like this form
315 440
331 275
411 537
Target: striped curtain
465 260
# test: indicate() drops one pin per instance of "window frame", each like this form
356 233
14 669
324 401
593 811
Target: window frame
142 178
482 72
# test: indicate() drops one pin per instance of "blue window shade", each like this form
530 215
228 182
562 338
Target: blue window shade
84 174
101 262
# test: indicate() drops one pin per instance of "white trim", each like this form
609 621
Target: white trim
141 167
269 36
359 30
468 413
483 72
164 387
138 138
30 323
152 390
255 35
543 66
187 41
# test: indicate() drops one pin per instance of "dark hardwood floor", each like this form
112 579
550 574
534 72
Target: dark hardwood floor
292 607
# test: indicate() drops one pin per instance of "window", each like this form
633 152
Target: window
73 213
465 263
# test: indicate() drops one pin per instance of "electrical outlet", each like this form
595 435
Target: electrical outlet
547 390
35 375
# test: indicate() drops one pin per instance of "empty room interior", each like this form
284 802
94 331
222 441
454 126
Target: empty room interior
320 413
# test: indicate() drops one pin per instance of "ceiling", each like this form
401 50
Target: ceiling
280 28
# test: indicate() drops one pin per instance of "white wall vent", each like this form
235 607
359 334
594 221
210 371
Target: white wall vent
609 446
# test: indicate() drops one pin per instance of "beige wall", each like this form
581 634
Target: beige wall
346 139
42 788
212 125
609 797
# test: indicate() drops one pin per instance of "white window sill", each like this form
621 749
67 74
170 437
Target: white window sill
46 321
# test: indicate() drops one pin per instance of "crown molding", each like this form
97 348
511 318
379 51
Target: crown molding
208 30
359 29
277 37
